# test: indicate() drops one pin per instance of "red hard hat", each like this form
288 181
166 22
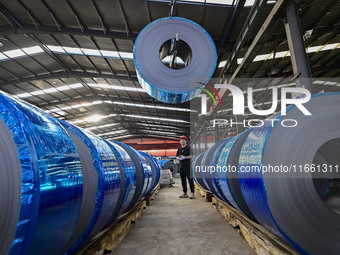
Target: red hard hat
183 137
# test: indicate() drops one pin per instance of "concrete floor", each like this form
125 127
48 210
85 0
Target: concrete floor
172 225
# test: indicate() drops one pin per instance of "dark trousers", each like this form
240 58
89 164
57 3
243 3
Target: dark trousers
185 174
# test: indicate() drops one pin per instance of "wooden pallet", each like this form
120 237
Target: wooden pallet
204 193
108 240
260 239
152 195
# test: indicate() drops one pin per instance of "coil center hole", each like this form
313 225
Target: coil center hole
175 53
326 178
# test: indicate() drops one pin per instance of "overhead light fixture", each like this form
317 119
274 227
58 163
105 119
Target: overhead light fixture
14 53
154 118
115 87
308 34
94 118
102 126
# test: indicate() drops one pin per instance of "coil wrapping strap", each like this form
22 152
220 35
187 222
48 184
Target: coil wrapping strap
288 203
173 85
229 180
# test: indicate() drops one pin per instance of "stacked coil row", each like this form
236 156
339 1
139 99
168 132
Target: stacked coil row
285 178
61 185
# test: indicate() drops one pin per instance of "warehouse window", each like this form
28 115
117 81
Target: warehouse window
282 54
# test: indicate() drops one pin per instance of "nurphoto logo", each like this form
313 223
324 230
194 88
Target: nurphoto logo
239 98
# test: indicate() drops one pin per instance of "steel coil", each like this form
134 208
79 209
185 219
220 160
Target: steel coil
273 174
62 185
173 85
172 167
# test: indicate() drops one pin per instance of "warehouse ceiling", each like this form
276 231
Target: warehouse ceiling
73 58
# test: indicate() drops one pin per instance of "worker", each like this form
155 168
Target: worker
184 156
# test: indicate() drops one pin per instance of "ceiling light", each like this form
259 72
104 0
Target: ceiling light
330 46
94 118
56 49
126 55
63 88
23 95
154 118
33 50
2 56
91 52
73 50
51 90
109 53
115 87
14 53
37 92
222 63
76 86
102 126
249 3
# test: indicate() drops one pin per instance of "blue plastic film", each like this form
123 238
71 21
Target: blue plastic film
196 171
94 186
128 180
193 167
147 173
26 201
141 176
158 172
108 187
155 171
229 178
63 184
252 185
207 169
203 168
215 181
51 180
173 85
130 177
111 173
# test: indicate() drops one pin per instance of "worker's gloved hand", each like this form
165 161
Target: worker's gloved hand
181 157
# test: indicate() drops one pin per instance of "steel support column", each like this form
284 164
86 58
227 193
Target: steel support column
239 123
205 134
297 49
